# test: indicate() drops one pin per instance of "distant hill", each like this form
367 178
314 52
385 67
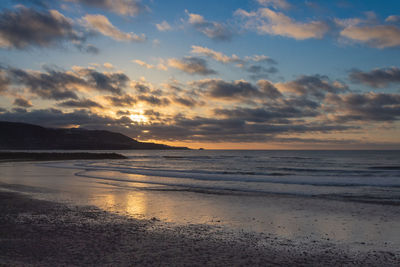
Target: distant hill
15 135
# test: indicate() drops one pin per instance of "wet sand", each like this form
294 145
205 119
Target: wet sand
37 232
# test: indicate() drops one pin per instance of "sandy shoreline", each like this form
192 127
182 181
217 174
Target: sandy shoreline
37 232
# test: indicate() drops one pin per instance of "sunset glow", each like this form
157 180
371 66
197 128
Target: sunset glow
240 75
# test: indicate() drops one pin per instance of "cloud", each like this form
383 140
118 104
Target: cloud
109 82
59 85
256 71
126 100
108 65
49 85
154 100
191 65
38 3
102 25
143 64
141 87
163 26
280 114
122 7
123 113
211 29
260 58
238 90
268 89
4 80
364 107
379 36
229 130
81 103
57 118
22 102
159 66
267 21
260 72
377 77
26 27
90 49
218 56
312 85
185 101
275 3
218 88
393 19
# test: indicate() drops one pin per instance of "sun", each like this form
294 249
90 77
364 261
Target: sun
138 117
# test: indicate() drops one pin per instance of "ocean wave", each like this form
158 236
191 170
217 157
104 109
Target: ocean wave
244 178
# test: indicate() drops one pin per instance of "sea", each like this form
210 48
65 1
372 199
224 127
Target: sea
372 176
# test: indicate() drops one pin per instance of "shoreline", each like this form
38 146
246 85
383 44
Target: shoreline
41 232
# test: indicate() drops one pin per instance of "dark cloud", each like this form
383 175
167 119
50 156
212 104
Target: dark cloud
221 89
123 113
4 80
81 103
122 101
251 114
377 77
364 107
22 102
262 58
152 115
153 100
260 72
49 85
59 84
257 69
58 118
191 65
19 110
314 85
141 87
26 27
90 49
214 30
185 101
228 130
301 102
278 113
110 82
268 89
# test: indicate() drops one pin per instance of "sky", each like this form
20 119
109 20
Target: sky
255 74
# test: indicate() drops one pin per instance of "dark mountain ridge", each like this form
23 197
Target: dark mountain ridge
18 136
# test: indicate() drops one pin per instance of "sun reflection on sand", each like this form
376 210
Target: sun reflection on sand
133 203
